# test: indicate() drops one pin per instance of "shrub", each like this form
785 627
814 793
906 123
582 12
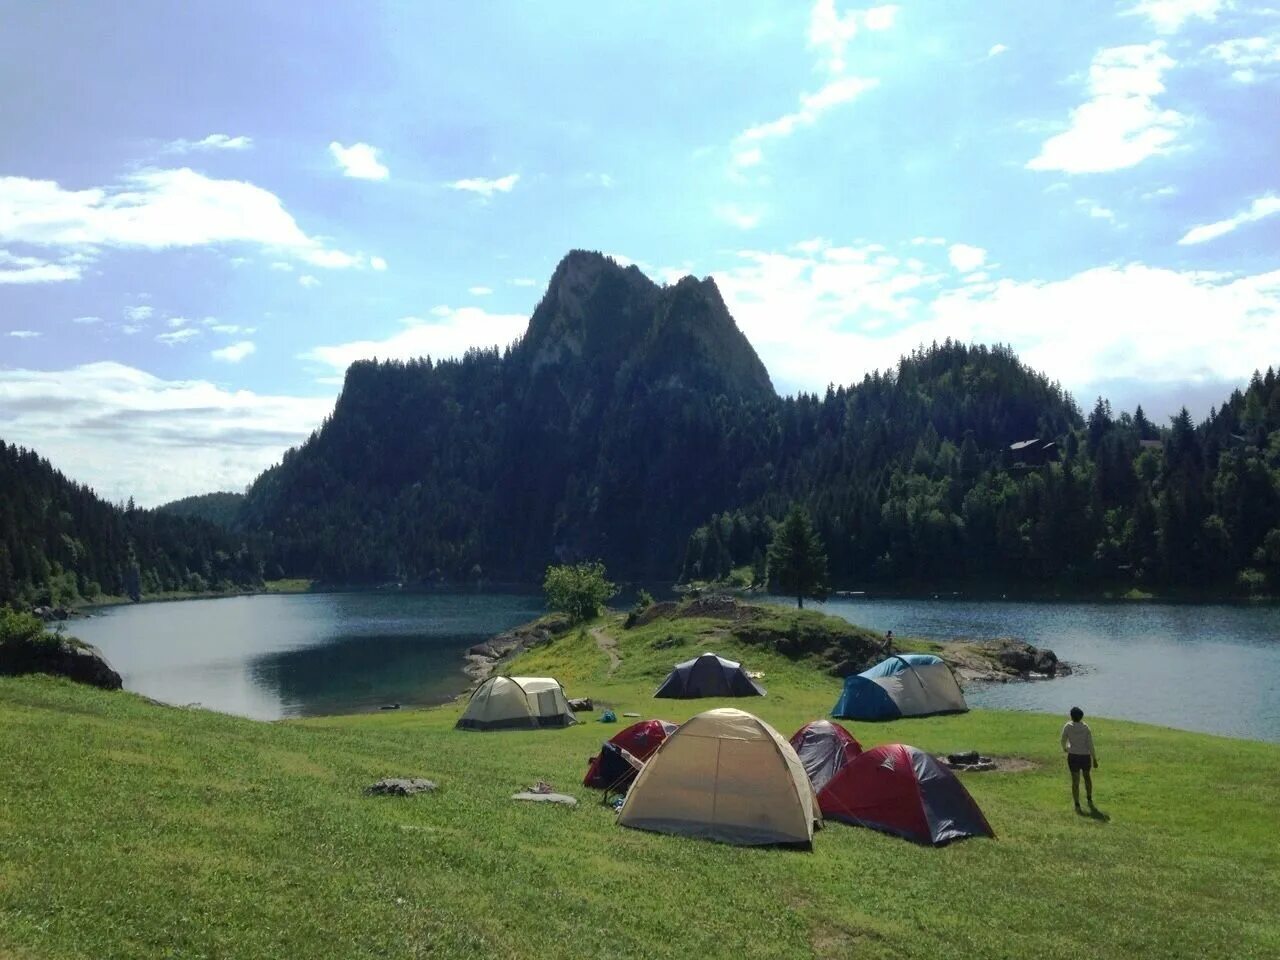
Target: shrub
579 590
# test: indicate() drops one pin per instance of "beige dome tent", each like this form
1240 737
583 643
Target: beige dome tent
724 775
506 703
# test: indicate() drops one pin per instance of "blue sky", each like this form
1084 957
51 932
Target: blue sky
207 211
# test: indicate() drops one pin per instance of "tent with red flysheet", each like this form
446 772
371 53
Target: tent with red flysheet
904 791
609 770
824 748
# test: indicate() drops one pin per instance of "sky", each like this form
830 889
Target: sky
207 211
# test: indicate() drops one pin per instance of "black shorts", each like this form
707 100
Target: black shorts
1079 761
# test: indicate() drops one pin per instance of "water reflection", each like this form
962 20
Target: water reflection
277 656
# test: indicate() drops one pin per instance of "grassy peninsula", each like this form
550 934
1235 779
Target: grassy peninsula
130 829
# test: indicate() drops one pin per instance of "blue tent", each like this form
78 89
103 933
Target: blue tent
910 685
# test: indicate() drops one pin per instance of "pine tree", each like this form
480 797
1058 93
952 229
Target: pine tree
797 559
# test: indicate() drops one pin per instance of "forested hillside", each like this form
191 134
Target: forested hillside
631 414
911 480
623 418
60 543
634 423
222 509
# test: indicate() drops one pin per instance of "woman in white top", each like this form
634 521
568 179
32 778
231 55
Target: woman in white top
1077 743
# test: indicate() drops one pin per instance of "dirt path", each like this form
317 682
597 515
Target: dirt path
608 646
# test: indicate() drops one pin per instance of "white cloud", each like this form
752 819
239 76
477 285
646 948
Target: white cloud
1264 206
86 319
139 314
214 141
359 161
175 322
15 269
157 210
308 281
480 291
128 433
235 352
996 50
965 257
524 282
1168 16
282 265
830 316
228 328
1121 124
831 31
737 217
1160 192
377 263
450 334
746 148
181 335
1248 55
1095 209
812 106
601 180
487 188
24 334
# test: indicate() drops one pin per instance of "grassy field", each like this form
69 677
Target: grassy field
129 829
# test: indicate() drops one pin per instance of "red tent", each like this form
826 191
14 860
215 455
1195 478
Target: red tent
904 791
609 770
824 748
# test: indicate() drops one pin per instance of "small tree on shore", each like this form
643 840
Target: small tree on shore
797 560
579 589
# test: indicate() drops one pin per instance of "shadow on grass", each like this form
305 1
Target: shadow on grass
1093 813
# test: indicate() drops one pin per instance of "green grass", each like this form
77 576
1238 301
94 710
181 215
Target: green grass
288 585
130 830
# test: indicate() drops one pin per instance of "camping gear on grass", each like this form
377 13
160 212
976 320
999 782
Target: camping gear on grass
608 770
911 685
904 791
510 703
724 775
708 676
824 748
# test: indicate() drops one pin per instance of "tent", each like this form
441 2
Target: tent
824 748
505 703
724 775
708 676
903 791
608 769
911 685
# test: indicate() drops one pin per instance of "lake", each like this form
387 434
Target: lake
1213 668
274 656
1209 668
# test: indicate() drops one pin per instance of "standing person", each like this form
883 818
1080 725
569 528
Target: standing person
1077 743
888 641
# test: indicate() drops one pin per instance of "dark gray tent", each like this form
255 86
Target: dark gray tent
708 676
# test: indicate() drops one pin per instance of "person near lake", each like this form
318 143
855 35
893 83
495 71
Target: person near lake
888 641
1077 743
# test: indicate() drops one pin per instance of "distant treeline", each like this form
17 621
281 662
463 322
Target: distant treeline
60 543
911 480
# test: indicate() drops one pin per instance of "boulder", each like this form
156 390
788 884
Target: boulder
400 787
62 657
578 704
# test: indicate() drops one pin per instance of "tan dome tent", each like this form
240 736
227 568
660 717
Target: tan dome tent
724 775
509 703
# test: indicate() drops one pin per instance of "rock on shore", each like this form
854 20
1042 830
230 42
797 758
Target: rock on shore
483 658
60 656
1002 660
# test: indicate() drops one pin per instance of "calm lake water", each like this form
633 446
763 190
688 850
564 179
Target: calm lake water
302 655
1209 668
